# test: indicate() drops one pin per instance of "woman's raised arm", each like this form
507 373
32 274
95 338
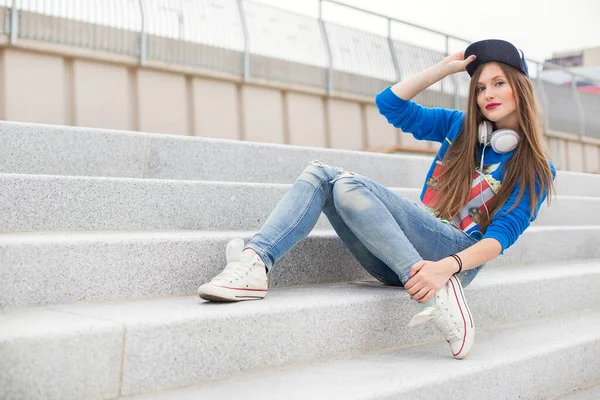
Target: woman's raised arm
409 88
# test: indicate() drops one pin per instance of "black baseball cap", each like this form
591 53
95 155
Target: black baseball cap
495 50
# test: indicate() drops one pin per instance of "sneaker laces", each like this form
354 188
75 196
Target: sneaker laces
445 324
235 270
441 318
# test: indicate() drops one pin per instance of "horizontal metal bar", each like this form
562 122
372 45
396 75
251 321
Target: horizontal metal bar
568 71
444 34
395 19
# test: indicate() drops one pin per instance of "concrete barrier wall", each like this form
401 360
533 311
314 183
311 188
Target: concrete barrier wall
101 95
59 84
34 87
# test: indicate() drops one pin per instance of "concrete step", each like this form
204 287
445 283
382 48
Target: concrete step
528 361
66 267
30 203
49 203
60 150
578 183
135 347
592 393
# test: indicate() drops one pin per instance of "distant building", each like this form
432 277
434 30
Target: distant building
589 57
584 61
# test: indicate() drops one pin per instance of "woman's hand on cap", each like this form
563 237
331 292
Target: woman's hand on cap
456 63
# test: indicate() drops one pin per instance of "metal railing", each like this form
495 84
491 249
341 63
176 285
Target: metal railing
256 40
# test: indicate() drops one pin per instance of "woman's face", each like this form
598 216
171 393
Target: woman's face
495 97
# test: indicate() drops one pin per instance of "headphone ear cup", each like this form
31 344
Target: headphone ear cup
504 141
485 132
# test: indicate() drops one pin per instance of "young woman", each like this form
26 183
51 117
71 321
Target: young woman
485 186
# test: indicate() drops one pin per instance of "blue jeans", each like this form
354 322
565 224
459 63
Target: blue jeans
386 233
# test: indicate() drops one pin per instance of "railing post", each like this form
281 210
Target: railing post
443 82
14 23
447 50
325 37
246 40
543 97
579 106
143 35
393 51
454 92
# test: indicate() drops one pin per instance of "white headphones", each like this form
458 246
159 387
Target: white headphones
502 140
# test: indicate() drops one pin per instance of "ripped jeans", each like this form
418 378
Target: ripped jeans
386 233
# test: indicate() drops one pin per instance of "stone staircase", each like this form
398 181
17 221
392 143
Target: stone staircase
105 237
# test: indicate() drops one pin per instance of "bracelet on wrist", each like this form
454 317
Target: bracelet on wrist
459 261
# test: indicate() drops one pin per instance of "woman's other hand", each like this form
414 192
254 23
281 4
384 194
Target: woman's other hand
427 277
456 63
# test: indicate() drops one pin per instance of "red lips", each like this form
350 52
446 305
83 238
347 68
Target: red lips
491 106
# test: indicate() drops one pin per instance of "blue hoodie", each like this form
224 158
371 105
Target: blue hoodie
443 126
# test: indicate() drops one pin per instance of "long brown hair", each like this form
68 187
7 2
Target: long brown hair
529 165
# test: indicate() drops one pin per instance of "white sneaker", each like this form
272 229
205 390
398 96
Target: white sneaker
240 280
452 317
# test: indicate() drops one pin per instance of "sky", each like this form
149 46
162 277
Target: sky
537 27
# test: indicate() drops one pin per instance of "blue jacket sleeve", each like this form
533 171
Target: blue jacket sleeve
422 122
506 227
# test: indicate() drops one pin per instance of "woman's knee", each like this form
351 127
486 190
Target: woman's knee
318 172
347 193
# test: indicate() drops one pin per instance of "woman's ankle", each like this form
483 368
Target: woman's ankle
249 252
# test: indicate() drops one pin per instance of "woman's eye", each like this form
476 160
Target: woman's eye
500 83
479 89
